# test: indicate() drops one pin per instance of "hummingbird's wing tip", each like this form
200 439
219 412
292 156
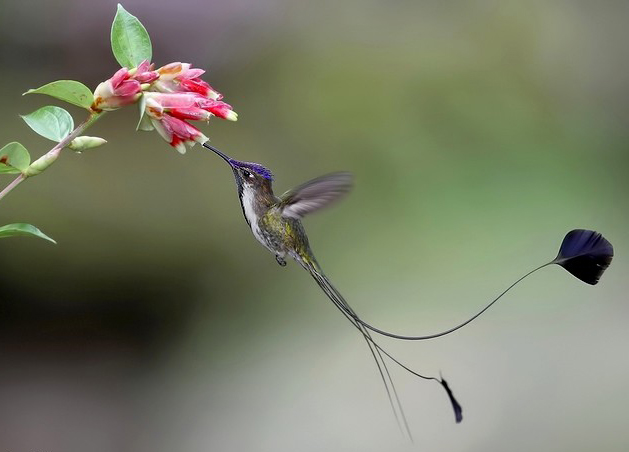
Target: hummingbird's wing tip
316 194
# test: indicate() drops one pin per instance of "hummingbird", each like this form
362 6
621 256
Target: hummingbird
276 222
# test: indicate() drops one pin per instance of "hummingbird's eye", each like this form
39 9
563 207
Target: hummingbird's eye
246 173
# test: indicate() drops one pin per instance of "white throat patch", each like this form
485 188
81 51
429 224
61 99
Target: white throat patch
248 198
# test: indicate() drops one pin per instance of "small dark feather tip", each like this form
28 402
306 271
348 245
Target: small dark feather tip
458 410
585 254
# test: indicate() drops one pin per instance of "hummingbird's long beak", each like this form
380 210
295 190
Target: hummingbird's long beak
219 153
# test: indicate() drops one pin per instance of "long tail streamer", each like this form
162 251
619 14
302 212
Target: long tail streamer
585 254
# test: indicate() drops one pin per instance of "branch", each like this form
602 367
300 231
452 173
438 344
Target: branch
44 161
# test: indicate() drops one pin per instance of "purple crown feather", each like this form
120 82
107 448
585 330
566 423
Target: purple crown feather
254 167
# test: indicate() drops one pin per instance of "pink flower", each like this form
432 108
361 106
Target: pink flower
177 133
179 77
190 103
193 113
118 91
167 113
218 108
144 73
171 95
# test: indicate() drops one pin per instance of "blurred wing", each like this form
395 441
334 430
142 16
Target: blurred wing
315 194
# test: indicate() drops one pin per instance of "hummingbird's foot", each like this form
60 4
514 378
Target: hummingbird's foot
280 260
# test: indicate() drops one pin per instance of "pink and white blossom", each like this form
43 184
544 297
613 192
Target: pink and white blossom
177 132
118 91
173 94
144 73
190 103
179 77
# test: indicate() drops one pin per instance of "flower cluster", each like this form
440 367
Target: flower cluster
168 97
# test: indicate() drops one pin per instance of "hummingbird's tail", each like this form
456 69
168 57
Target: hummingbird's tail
337 299
584 253
376 352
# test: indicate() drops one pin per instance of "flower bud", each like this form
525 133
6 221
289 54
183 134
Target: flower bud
41 164
83 143
218 108
177 132
144 73
118 91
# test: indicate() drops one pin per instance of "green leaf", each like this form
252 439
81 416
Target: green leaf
16 229
14 158
130 42
144 123
50 122
71 91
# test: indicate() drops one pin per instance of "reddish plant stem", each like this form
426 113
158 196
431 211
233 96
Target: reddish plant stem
12 185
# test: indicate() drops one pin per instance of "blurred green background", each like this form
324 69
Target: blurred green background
479 133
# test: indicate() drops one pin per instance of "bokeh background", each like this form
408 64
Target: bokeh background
479 133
